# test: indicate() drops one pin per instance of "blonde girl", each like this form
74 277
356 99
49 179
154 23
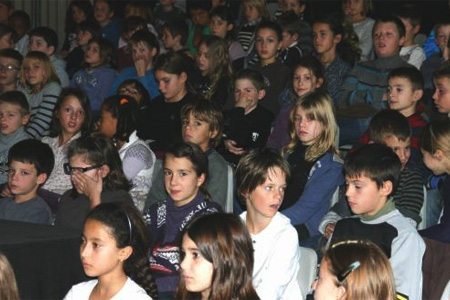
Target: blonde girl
41 86
8 284
312 156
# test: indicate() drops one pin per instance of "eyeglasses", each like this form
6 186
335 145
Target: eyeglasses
68 170
8 68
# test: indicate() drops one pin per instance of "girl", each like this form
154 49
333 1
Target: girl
338 51
8 284
97 78
254 12
71 120
136 90
114 247
353 270
307 77
118 121
435 146
216 259
97 176
312 156
214 65
40 84
185 175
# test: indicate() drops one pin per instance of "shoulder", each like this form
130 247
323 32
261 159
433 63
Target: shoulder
81 290
132 290
280 228
52 86
217 160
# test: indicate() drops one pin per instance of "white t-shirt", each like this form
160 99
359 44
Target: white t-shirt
131 290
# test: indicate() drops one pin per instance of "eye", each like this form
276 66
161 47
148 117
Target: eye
268 187
24 173
184 123
183 173
95 245
198 123
195 254
167 173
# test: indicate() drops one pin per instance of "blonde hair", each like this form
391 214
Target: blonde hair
317 106
260 6
49 71
8 285
436 136
362 269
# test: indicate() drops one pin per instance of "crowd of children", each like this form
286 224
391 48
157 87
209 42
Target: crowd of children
156 120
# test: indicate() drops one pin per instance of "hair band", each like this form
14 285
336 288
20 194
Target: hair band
123 101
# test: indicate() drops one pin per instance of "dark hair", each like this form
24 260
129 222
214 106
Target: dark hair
87 9
146 37
16 98
388 123
375 161
128 229
132 23
106 51
6 29
291 23
177 27
92 27
313 64
85 104
12 54
256 78
48 34
21 15
198 4
255 167
144 8
443 71
125 109
413 75
411 13
41 155
110 4
99 150
145 96
391 19
225 14
223 240
170 62
265 24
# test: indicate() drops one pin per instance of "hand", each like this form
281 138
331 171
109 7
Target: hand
6 192
231 147
89 186
329 230
246 103
141 66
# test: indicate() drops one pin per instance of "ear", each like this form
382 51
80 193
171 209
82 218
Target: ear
319 83
230 27
125 252
213 133
417 95
183 77
340 292
401 41
200 180
261 94
416 29
296 36
25 119
387 187
337 38
439 155
41 178
104 170
51 50
302 8
154 51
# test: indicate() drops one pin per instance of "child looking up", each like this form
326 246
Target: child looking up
261 182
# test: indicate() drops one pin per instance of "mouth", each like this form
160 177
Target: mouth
187 137
275 206
174 192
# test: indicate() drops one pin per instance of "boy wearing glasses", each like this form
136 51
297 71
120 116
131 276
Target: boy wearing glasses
28 170
10 61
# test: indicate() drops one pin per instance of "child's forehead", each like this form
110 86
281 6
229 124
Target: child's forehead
197 116
9 106
22 165
393 141
385 26
359 177
140 44
244 83
266 32
398 80
442 81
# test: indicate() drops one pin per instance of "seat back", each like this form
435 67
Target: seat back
308 269
230 190
423 211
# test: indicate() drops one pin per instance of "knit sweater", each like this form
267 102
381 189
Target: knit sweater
363 30
335 73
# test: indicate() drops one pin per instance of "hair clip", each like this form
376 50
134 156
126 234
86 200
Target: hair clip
123 101
350 268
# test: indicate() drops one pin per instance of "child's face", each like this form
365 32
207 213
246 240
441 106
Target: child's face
71 116
244 90
196 271
168 40
78 162
304 81
92 55
107 124
38 43
131 10
265 200
98 251
441 95
19 26
294 6
23 180
5 12
442 34
353 8
288 39
83 37
307 130
401 148
78 15
102 13
9 70
197 131
401 95
363 195
199 16
142 51
324 39
267 45
324 286
180 179
6 42
202 59
11 118
220 27
250 12
172 86
130 90
433 163
34 72
386 40
410 30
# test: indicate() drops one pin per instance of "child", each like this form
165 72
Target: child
371 174
411 52
130 26
10 61
8 37
185 176
8 282
202 124
224 248
174 36
120 233
71 120
14 115
312 156
21 23
254 12
308 76
98 76
135 89
353 270
199 29
118 121
434 144
165 12
441 80
104 15
45 40
28 170
247 125
144 48
40 84
214 64
97 176
357 11
261 181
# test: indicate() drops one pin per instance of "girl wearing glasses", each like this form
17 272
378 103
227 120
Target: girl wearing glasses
97 177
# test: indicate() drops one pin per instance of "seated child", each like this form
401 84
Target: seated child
372 174
28 170
441 80
11 60
130 26
20 21
254 12
7 37
165 11
199 28
261 181
104 15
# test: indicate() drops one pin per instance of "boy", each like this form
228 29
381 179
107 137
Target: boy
21 23
296 6
364 88
28 170
441 97
411 52
199 14
290 48
372 174
6 9
10 62
164 12
174 35
248 124
202 124
104 15
44 39
14 115
261 181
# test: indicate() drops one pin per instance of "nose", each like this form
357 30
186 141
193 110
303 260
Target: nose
435 95
183 264
83 251
161 86
173 180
